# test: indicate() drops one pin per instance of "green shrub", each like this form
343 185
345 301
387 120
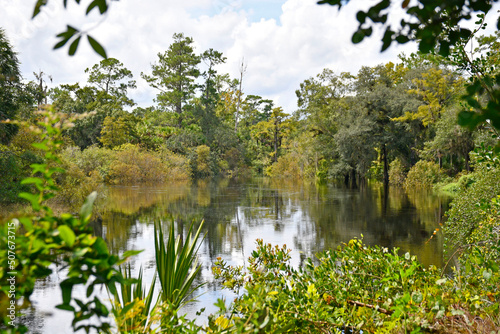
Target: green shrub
354 288
397 172
93 158
287 166
423 175
467 208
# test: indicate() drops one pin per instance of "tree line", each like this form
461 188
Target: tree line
378 124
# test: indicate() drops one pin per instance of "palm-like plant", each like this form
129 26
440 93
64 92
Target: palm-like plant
133 308
177 265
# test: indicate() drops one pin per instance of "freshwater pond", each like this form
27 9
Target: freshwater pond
306 217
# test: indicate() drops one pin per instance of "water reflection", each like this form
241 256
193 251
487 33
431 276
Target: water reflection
306 217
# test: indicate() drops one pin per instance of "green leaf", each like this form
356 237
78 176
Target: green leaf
65 307
74 46
42 146
357 37
27 223
101 4
101 247
66 290
86 210
66 36
31 180
39 4
67 235
97 47
34 199
131 253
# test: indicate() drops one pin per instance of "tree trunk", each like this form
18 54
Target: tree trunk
386 167
467 165
276 130
353 179
236 115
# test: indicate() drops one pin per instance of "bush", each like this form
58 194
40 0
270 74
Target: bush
397 173
287 166
467 213
423 175
93 158
75 187
178 165
354 288
134 165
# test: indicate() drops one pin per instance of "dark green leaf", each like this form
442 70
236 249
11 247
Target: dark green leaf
39 4
357 37
65 307
66 289
97 47
74 46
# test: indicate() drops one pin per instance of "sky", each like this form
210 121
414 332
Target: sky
282 42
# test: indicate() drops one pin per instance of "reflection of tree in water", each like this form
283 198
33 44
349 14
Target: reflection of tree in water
386 221
323 216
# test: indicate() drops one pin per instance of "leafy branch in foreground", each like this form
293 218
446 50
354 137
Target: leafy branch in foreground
356 288
44 239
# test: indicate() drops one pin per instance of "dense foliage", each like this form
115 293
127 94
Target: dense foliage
395 123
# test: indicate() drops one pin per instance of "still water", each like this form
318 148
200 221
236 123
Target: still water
306 217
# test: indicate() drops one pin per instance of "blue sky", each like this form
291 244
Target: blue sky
283 42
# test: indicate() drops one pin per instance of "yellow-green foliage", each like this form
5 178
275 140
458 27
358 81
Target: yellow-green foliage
436 88
133 165
177 165
75 186
203 160
423 175
128 164
397 173
115 132
287 166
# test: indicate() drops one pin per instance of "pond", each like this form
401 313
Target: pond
308 218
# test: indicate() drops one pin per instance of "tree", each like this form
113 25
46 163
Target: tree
117 131
436 26
109 77
175 73
10 88
211 58
41 90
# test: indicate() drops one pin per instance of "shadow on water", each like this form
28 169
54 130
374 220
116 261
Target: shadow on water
308 218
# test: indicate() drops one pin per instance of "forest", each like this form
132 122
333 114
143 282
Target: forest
395 123
428 120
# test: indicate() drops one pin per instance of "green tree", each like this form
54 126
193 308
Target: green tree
117 131
175 73
110 76
211 58
10 88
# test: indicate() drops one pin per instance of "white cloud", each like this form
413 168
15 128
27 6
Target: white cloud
293 40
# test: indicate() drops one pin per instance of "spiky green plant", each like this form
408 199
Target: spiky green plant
133 309
177 265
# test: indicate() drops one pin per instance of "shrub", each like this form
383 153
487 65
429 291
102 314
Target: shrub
397 173
423 175
287 166
177 165
93 158
75 186
354 288
468 208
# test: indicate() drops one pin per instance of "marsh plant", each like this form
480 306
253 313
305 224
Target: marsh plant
176 269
